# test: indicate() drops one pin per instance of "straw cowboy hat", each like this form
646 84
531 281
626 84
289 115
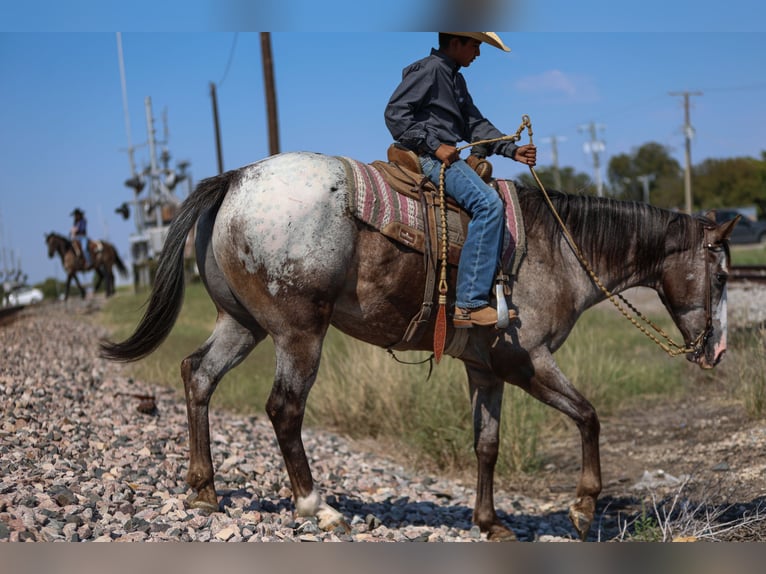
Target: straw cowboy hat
490 38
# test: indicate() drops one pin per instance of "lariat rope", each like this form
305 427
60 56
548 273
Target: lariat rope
672 348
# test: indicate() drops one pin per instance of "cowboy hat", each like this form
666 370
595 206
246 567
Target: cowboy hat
490 38
77 211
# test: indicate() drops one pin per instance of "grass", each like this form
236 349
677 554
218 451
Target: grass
748 255
686 516
363 393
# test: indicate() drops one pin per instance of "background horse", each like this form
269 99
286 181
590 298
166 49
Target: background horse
102 263
281 256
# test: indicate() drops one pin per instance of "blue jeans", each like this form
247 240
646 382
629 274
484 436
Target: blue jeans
480 256
84 246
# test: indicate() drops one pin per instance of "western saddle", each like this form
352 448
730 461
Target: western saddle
408 159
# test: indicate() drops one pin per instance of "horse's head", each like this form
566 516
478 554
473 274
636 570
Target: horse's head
693 289
50 241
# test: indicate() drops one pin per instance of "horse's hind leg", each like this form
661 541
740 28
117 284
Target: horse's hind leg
201 371
486 392
298 353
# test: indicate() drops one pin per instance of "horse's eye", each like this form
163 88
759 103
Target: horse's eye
722 278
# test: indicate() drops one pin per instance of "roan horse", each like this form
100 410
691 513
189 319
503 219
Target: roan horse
280 255
102 262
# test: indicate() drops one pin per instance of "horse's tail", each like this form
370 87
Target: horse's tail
167 292
118 262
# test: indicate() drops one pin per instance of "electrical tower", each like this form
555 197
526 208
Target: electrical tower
688 135
595 147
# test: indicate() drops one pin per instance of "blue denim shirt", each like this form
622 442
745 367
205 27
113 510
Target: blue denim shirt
432 106
81 227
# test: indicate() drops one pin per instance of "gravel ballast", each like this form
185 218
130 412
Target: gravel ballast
82 458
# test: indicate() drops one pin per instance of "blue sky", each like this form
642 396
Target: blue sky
63 134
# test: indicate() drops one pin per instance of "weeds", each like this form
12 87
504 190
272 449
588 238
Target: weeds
679 517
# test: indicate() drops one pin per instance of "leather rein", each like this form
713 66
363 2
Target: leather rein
638 319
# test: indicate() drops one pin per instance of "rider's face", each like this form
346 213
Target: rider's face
465 52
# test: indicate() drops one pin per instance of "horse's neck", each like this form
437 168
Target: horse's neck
621 260
64 246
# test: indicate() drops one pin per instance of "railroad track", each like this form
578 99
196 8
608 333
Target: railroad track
6 312
753 273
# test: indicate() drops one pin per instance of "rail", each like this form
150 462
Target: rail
752 273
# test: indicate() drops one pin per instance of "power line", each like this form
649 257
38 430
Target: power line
231 57
749 88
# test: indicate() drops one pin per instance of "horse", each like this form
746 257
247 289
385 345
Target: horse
102 259
281 256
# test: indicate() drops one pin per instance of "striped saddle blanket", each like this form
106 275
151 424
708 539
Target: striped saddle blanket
399 214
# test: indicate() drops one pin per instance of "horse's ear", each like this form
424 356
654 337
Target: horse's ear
724 230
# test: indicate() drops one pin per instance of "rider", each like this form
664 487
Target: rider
429 113
79 233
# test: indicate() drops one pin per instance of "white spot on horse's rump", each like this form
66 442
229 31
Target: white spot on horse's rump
285 212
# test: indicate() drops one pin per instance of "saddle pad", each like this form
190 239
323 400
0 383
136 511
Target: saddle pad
377 204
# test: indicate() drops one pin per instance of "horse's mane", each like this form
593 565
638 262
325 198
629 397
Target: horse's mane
609 229
60 237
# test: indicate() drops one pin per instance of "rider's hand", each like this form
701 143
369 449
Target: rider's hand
526 154
447 154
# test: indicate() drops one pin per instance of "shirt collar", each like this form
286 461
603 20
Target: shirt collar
449 62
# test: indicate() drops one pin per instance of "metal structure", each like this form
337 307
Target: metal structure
152 211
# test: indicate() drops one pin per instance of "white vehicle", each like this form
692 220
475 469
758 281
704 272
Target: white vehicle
25 296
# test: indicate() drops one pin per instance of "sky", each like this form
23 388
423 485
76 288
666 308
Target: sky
63 134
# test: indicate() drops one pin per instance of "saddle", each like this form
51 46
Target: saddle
408 159
94 247
405 177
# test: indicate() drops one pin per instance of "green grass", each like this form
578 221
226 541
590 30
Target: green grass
363 393
748 255
244 389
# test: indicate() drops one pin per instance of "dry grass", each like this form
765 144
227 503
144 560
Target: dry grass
683 516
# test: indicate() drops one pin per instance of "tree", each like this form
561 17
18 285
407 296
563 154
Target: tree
731 182
651 159
571 181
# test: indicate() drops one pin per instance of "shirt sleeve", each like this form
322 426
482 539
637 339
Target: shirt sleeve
402 109
480 128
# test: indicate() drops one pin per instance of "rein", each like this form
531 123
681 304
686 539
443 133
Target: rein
672 348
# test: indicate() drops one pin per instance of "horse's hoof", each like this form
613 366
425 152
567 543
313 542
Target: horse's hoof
329 519
202 502
581 521
499 533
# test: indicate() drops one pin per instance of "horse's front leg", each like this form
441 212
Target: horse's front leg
201 371
68 285
549 385
486 401
79 285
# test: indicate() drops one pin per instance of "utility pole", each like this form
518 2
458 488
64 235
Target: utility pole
688 134
645 181
155 172
594 147
123 84
271 96
555 153
217 127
